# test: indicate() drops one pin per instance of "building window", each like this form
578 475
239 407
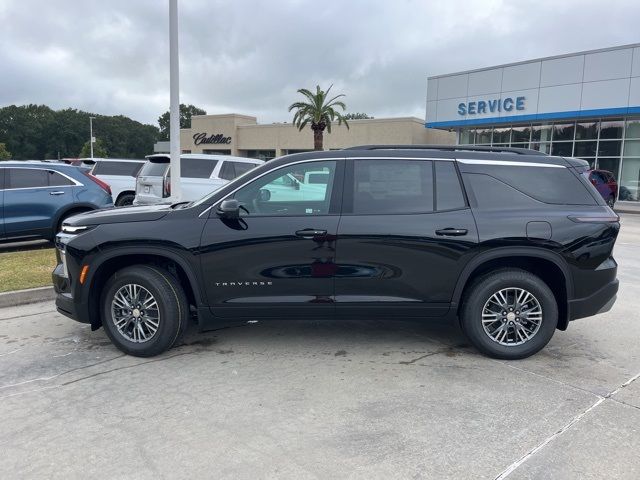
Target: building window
261 154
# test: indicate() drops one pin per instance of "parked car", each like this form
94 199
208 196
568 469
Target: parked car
630 191
511 243
606 184
120 174
36 197
200 175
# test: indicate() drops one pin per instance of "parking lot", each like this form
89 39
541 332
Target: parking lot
313 399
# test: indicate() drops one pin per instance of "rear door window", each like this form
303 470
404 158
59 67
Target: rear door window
449 194
227 171
242 167
197 167
58 180
392 186
126 169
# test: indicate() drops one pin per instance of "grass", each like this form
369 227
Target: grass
28 269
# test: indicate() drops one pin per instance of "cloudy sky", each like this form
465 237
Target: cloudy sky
111 57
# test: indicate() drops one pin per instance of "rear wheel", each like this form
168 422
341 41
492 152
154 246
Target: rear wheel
125 199
144 310
509 314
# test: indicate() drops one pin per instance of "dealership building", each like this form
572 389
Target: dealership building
242 135
585 105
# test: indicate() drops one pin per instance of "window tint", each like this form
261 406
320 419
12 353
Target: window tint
154 169
196 167
57 180
448 190
129 169
491 193
27 178
242 168
546 184
392 186
283 192
227 172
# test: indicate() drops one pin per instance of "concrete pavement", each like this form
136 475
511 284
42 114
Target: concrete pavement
388 399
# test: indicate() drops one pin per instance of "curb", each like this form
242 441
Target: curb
626 210
22 297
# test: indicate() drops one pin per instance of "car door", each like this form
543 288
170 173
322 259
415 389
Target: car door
33 198
403 242
280 253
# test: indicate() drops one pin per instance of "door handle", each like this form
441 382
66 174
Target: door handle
310 233
59 192
451 232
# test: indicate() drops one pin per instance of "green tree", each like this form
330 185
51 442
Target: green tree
186 112
38 132
356 116
4 153
98 150
318 111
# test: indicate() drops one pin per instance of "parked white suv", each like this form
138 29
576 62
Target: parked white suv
200 175
119 173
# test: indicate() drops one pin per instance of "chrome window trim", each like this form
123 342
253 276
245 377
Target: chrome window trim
318 160
76 183
474 161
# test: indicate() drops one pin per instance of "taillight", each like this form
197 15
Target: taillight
605 217
166 187
104 185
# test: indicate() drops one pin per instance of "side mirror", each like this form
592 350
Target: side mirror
296 185
264 195
229 208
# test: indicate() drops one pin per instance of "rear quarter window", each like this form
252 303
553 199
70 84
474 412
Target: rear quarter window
556 185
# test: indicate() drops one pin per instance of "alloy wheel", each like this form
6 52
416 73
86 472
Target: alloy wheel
135 313
512 316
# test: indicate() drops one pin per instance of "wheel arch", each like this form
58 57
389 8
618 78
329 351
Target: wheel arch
549 266
123 193
77 207
109 263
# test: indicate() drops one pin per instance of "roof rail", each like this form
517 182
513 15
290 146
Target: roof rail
450 148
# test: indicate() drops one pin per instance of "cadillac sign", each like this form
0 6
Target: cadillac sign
217 139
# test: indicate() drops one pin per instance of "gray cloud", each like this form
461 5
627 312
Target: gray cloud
250 57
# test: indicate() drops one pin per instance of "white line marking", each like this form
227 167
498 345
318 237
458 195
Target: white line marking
510 469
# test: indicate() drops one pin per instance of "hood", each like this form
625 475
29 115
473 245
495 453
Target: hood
144 213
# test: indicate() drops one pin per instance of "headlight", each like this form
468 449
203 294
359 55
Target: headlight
74 229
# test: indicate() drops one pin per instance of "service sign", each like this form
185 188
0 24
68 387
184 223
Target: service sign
494 105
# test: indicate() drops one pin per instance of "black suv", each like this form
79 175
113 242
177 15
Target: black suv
511 242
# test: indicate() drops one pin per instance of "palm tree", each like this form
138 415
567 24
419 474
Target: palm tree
319 111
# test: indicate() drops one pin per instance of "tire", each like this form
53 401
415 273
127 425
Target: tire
125 199
171 315
478 305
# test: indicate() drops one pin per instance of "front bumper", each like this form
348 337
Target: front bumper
598 302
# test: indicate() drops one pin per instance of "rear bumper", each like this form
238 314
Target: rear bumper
598 302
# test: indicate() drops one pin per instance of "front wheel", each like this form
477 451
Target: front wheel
509 314
144 310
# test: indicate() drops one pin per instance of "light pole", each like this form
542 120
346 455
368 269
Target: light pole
91 139
174 107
